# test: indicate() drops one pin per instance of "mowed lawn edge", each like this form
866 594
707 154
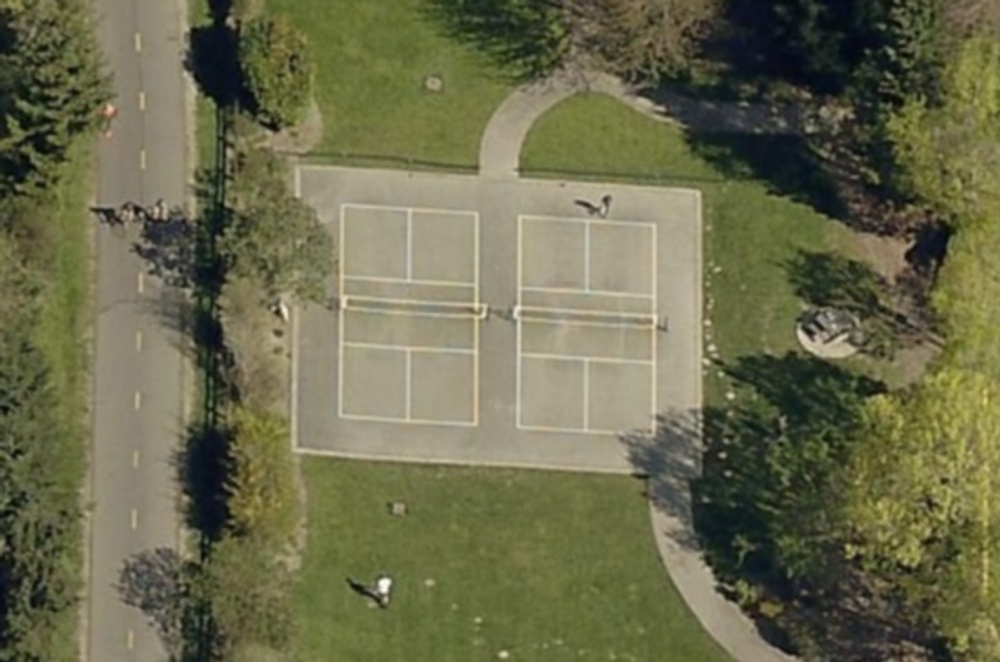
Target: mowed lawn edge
372 61
547 566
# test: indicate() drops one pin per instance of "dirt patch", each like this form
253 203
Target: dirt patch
301 138
886 255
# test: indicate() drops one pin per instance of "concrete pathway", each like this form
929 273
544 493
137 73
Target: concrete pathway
669 504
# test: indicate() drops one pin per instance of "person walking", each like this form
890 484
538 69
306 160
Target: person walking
383 589
605 205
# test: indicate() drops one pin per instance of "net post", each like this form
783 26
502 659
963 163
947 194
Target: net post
515 313
483 311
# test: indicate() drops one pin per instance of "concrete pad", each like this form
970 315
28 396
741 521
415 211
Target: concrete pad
444 247
373 242
620 396
609 268
402 330
591 341
496 439
552 254
373 383
552 394
443 388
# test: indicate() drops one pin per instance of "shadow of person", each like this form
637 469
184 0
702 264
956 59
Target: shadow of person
364 591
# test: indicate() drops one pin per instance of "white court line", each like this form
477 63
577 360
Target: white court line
340 310
340 361
655 310
460 315
404 348
576 290
415 421
579 357
586 394
518 360
409 384
549 428
586 258
588 221
579 312
409 245
412 281
475 258
475 374
429 210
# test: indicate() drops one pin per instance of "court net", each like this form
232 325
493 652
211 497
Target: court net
409 307
587 317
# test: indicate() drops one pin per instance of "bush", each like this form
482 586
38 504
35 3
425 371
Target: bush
277 70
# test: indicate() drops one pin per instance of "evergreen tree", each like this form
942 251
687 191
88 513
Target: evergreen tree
57 91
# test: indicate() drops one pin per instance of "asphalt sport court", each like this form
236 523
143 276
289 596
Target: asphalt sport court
586 319
409 345
478 320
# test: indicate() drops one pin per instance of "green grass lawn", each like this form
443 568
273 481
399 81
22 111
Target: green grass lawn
372 58
554 566
750 232
63 336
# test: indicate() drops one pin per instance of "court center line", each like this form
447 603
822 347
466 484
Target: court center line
130 639
140 284
138 341
137 400
135 519
135 459
137 42
142 159
142 101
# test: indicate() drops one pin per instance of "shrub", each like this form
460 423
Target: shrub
277 70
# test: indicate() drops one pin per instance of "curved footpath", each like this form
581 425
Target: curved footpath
499 156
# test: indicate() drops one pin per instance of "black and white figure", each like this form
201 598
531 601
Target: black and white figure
605 207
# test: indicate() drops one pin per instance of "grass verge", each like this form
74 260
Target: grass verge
63 337
547 566
372 59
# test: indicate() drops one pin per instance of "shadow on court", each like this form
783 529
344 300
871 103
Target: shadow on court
668 460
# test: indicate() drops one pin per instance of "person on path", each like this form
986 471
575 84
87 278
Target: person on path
108 113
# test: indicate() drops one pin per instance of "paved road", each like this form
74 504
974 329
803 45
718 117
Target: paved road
139 376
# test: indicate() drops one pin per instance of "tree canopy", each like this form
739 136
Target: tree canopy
277 69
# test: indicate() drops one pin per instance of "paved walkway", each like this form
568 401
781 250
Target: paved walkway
669 486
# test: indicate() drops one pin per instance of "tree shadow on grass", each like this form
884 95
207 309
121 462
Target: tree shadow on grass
212 57
889 320
788 164
524 39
